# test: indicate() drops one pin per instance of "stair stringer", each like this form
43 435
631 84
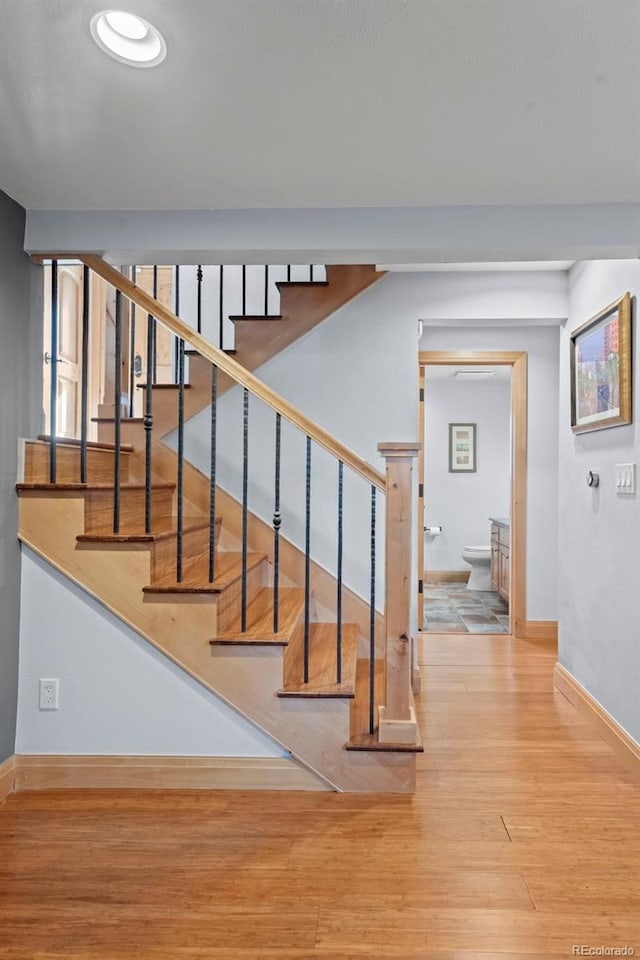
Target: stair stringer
313 731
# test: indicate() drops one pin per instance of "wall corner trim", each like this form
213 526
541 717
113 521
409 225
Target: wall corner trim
7 777
69 772
623 745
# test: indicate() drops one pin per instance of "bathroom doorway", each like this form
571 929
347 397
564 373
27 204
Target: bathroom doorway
472 492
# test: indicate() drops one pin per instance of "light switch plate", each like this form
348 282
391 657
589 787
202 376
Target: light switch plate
626 478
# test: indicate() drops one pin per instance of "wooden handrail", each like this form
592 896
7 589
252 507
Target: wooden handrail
233 369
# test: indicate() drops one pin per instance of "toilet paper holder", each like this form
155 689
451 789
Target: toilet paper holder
433 531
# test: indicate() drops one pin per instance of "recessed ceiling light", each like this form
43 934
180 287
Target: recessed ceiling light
474 374
128 38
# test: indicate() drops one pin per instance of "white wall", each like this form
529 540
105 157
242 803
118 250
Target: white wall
542 346
118 694
497 297
599 572
463 502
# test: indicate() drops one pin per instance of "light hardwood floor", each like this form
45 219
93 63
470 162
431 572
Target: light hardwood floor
522 840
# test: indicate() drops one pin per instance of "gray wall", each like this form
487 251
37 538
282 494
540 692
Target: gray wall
599 559
20 416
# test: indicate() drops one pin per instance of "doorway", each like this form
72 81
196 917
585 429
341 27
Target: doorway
504 542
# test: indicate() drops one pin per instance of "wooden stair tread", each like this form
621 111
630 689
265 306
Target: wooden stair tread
359 737
301 283
162 386
260 619
256 316
228 570
322 663
113 419
367 741
91 444
165 528
156 485
196 353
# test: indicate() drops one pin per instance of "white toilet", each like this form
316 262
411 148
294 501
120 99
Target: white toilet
479 559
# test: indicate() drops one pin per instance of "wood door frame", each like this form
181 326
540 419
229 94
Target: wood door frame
518 361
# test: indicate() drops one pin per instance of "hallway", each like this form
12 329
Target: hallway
521 842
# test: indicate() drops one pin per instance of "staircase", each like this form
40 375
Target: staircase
186 566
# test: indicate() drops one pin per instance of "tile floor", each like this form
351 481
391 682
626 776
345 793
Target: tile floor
451 608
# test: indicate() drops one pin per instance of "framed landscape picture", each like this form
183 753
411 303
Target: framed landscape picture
601 369
462 448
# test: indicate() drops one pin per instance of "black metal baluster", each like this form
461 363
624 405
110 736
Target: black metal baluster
148 426
244 289
84 373
117 395
155 334
176 310
266 290
245 490
307 566
277 521
221 309
372 618
53 394
339 572
132 349
199 300
212 474
180 478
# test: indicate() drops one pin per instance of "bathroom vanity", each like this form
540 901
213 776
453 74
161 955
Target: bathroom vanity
500 545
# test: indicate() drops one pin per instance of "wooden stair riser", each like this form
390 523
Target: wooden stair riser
230 600
100 464
294 655
99 509
195 551
165 405
131 432
322 678
260 619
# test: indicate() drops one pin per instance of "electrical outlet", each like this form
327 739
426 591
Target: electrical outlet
49 694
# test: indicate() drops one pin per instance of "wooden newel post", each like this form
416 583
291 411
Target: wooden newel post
396 718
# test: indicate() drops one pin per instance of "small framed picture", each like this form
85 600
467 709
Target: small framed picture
601 369
462 448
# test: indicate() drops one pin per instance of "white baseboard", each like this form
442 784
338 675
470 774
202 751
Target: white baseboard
43 772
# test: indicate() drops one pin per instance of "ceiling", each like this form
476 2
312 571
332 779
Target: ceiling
283 103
